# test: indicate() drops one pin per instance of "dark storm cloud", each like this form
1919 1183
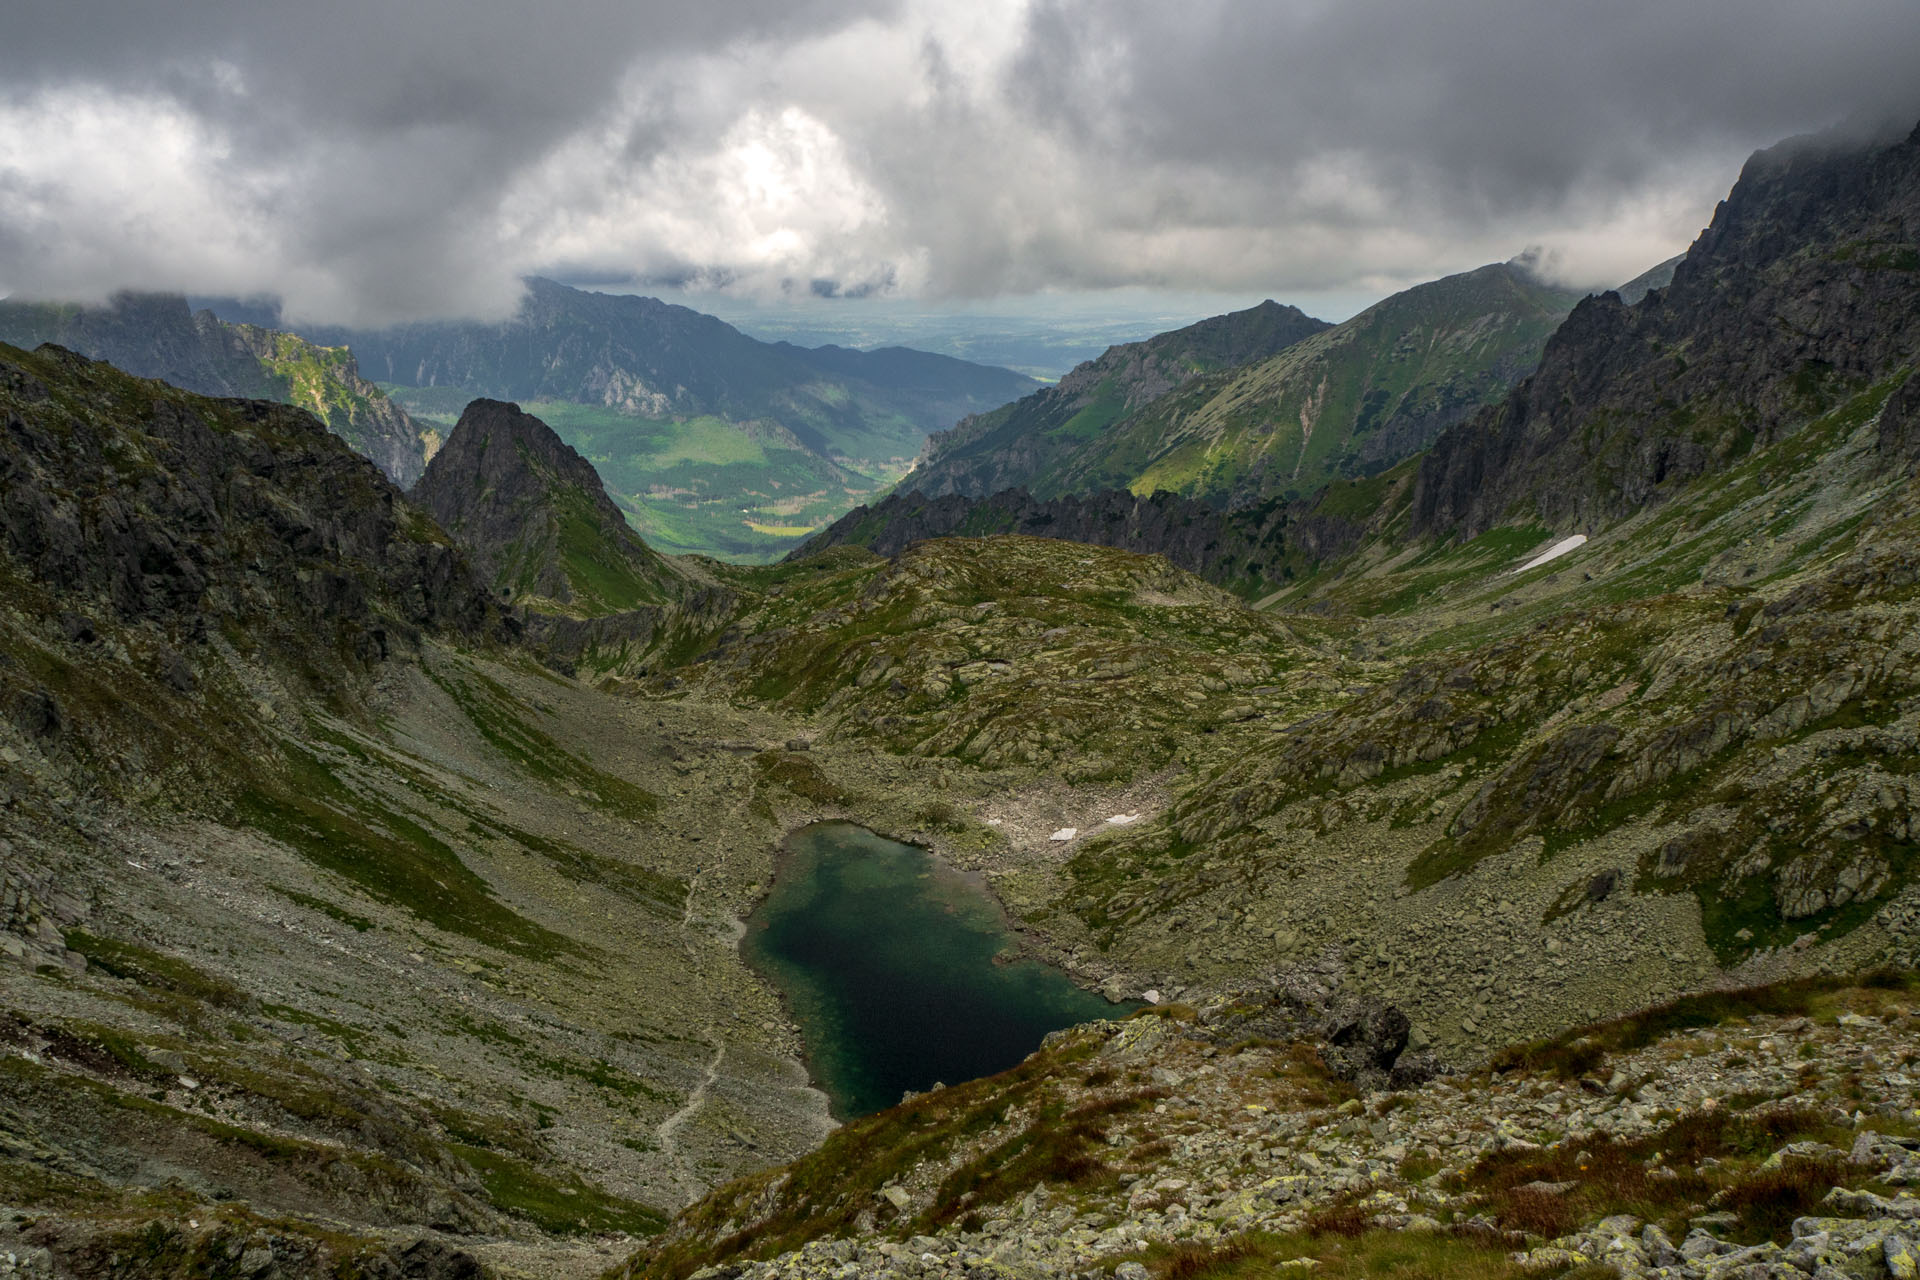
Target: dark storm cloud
377 66
373 160
366 142
1489 101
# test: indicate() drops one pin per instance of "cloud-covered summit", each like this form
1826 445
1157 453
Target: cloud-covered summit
372 162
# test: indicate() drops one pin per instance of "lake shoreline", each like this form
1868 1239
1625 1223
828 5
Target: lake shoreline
900 969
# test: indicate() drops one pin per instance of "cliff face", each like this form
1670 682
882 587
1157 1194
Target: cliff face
327 381
158 336
189 513
535 518
1800 293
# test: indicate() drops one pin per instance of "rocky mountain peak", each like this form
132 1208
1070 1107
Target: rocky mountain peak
535 517
1799 295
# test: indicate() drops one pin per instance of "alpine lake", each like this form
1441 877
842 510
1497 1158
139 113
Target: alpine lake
901 971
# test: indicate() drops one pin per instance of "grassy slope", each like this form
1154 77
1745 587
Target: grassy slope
425 964
566 535
1030 441
1349 401
323 380
1010 652
1718 690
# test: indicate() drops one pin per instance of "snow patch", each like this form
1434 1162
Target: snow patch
1065 833
1553 552
1124 819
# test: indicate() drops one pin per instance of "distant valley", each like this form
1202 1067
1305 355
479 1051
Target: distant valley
711 441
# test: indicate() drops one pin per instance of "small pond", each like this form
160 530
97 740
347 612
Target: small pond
895 966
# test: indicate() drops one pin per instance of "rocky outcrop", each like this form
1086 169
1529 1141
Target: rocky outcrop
628 643
1711 1138
1360 1038
1797 297
1246 550
1655 277
157 336
240 1244
535 518
1226 548
1900 423
186 513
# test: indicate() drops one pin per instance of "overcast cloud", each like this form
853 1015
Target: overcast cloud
372 161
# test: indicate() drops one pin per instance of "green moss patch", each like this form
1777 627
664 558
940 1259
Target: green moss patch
560 1206
149 968
389 856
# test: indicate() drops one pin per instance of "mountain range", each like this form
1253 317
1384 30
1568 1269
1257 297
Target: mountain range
711 440
714 442
1292 407
651 359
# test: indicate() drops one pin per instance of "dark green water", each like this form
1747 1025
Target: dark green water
885 956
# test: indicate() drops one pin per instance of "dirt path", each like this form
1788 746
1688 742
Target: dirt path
666 1133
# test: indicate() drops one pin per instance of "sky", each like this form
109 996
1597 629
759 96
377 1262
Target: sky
370 162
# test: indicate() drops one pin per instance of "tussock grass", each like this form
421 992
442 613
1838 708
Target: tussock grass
560 1206
150 968
1058 1148
1662 1178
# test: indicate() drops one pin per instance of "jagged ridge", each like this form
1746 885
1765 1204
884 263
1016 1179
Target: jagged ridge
1245 550
157 336
1798 295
